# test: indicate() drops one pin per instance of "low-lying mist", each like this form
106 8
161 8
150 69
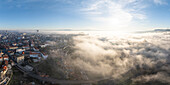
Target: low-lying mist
125 59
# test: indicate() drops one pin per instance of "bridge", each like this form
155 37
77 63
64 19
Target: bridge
50 80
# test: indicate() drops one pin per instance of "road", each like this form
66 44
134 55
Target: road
53 80
50 80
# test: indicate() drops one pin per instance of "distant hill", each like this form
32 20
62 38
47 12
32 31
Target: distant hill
162 30
64 30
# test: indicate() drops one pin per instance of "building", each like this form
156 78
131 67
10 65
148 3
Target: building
28 68
20 50
26 47
1 53
13 47
35 56
19 58
44 55
35 49
3 71
11 53
44 45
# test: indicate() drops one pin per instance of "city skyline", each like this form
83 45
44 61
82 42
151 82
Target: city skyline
115 15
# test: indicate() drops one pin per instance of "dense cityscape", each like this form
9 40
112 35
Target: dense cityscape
19 50
23 58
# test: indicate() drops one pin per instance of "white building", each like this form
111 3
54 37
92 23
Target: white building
20 58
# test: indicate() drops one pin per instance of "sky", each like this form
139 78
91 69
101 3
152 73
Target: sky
114 15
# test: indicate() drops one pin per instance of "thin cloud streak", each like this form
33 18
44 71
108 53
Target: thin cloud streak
160 2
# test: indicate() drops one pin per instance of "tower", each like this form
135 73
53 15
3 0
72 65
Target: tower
37 31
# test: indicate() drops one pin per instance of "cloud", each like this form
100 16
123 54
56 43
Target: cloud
160 76
160 2
116 56
25 1
134 58
115 13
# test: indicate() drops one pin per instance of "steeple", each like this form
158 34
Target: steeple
1 53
